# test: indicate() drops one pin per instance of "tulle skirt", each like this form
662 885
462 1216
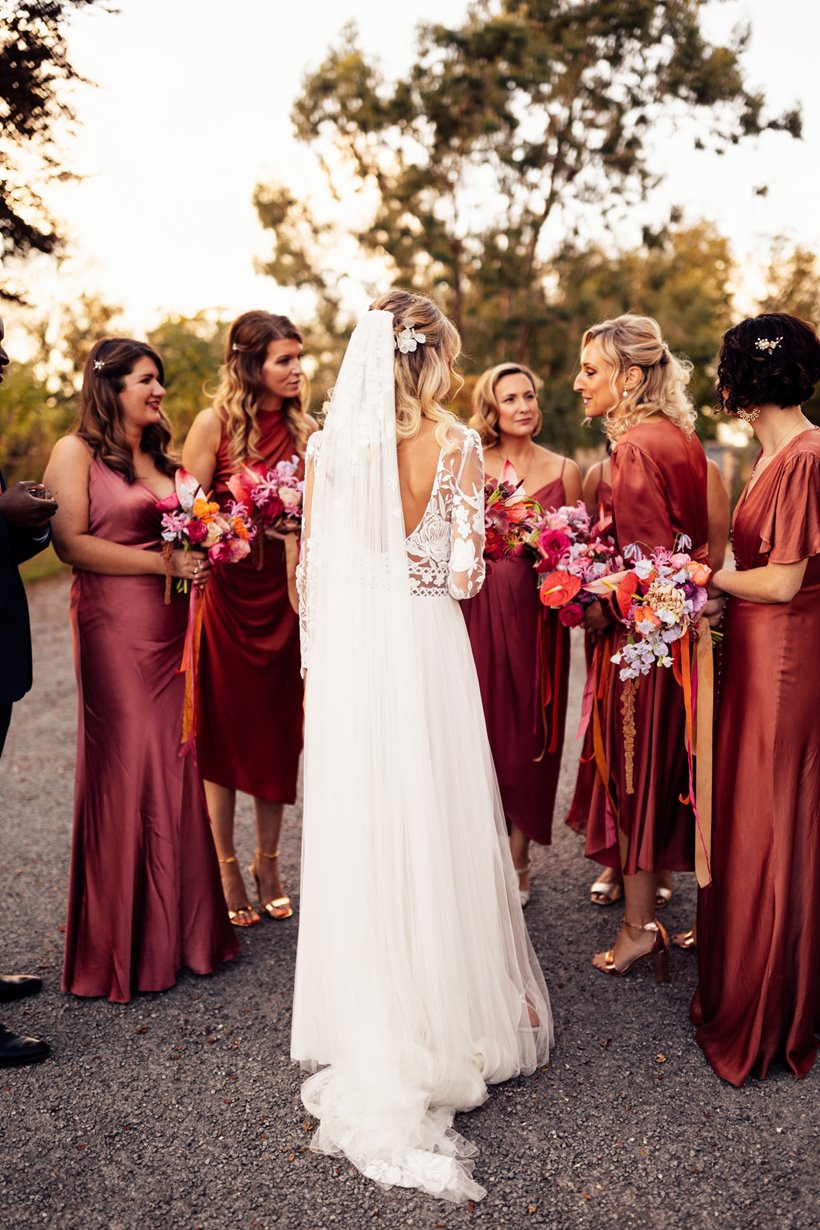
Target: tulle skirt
416 983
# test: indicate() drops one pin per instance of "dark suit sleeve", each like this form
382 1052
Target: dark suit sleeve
17 545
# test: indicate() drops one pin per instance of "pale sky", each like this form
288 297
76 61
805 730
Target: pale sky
192 111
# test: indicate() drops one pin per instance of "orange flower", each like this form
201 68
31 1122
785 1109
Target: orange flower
205 510
559 587
646 620
240 528
625 591
698 572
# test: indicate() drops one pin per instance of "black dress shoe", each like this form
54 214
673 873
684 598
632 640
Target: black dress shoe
15 1051
17 986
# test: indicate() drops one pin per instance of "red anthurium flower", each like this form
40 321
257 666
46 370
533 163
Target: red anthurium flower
558 588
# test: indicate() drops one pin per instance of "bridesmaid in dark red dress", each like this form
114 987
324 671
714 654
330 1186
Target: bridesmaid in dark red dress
144 898
758 996
516 642
629 378
249 719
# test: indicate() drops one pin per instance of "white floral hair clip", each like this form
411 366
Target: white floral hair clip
99 364
408 339
768 343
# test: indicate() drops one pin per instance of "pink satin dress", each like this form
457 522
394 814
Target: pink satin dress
249 722
519 648
758 995
658 492
144 897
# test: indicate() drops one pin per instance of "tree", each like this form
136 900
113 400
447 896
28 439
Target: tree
192 349
793 285
34 72
529 116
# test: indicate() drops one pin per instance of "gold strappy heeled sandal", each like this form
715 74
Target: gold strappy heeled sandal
246 915
659 952
278 907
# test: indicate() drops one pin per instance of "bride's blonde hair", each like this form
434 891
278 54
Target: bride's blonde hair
241 386
637 341
424 376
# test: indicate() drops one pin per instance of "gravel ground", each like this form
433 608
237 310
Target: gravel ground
182 1109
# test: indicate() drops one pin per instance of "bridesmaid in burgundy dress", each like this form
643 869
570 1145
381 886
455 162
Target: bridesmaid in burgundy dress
144 897
758 997
629 378
517 644
249 721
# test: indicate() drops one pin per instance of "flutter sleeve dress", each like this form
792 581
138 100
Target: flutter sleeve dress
521 653
144 896
249 721
658 493
758 995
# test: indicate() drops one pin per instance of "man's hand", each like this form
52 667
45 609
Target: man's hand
597 619
27 506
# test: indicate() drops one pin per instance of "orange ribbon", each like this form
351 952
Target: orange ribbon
189 667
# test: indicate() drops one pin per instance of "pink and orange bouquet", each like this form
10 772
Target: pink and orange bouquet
660 599
190 521
275 496
571 554
509 515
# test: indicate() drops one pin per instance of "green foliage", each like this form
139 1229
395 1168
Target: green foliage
192 349
793 285
528 116
34 73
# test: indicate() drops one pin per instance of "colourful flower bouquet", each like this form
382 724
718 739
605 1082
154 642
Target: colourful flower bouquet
190 521
275 496
660 599
571 555
509 516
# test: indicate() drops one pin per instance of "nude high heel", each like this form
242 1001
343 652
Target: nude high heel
659 952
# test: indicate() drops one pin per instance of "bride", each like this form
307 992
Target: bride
416 983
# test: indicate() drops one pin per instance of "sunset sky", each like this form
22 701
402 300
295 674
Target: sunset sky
192 111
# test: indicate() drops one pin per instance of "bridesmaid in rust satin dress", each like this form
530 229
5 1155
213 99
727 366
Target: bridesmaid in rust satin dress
659 491
758 995
249 717
144 896
517 644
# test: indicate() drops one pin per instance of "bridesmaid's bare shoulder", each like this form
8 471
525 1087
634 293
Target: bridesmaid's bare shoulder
207 427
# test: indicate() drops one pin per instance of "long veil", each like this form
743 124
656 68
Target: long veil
387 1006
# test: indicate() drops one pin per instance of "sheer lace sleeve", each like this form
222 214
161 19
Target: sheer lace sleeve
466 464
303 568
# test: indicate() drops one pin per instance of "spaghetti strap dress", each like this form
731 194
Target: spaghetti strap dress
249 719
522 657
144 896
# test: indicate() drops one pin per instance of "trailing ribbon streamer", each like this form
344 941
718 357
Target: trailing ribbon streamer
549 658
189 667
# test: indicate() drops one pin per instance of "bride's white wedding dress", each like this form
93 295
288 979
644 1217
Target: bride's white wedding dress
416 984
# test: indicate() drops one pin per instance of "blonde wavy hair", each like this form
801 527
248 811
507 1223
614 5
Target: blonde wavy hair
637 341
424 376
485 403
241 386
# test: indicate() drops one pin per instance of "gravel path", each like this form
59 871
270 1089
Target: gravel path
182 1109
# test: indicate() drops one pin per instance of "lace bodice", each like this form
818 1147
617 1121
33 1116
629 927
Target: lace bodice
445 552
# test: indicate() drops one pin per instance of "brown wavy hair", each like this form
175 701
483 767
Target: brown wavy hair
485 403
782 373
424 376
241 386
637 341
100 421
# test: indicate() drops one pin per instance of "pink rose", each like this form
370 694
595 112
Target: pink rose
196 531
571 615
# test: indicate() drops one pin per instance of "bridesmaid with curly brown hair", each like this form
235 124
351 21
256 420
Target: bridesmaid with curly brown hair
249 720
758 998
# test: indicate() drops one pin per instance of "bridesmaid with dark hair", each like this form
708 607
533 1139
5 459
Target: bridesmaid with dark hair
516 641
249 722
144 898
758 995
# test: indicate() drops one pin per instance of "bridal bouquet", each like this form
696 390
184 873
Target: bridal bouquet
509 515
275 495
571 555
190 521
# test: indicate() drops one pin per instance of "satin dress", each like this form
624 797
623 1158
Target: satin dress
249 720
758 995
578 812
658 492
144 897
520 648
